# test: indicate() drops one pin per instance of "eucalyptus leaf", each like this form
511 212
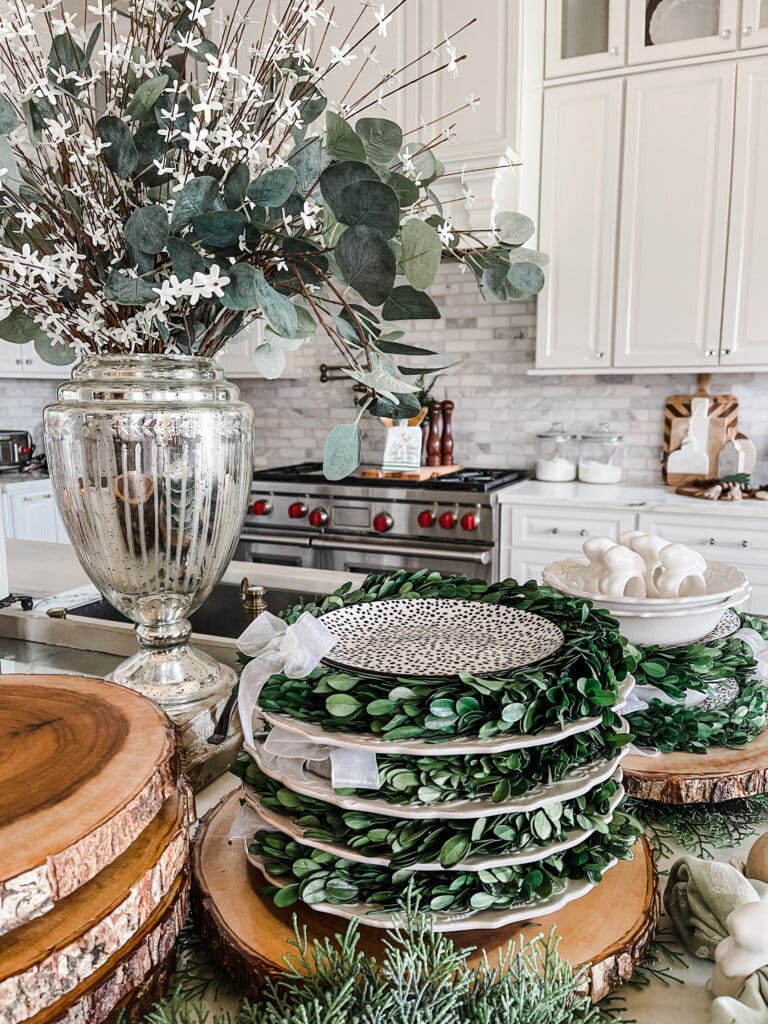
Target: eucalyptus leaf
341 457
235 186
147 229
405 190
367 263
8 118
219 230
273 187
372 203
307 161
129 291
341 140
404 408
514 228
197 197
382 139
54 355
420 253
526 277
242 291
18 328
406 303
269 360
185 259
279 312
337 177
120 155
140 107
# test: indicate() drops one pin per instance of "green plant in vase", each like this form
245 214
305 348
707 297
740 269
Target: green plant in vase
171 175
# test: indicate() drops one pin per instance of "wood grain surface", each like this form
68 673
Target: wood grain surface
84 768
682 778
610 927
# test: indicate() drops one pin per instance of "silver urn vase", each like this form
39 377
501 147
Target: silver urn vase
151 460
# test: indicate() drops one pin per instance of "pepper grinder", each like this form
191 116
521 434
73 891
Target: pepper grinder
434 445
446 441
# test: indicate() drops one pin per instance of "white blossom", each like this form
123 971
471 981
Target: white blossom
383 19
342 55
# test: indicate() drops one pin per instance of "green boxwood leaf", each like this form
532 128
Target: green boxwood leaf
272 188
121 156
235 186
147 229
220 229
341 140
342 705
405 303
341 455
198 196
382 139
454 850
129 291
367 263
141 106
286 896
372 203
420 253
185 259
337 177
8 119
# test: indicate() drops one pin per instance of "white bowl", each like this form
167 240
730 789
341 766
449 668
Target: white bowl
723 581
673 628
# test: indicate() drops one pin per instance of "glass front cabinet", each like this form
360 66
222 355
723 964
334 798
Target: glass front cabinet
584 36
674 29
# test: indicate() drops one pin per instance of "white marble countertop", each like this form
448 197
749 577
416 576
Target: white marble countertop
12 480
640 496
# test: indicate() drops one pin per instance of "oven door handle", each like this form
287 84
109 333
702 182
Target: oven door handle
407 550
273 537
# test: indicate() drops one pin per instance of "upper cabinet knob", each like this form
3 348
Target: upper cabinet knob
747 30
726 33
614 51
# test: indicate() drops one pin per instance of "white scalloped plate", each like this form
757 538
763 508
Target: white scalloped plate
471 920
498 745
289 827
292 774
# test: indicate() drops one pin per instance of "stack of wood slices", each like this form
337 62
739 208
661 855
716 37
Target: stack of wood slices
94 840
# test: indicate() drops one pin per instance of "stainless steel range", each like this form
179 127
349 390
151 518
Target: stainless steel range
361 524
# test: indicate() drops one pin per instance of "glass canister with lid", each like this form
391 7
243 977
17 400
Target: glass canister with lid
556 454
601 455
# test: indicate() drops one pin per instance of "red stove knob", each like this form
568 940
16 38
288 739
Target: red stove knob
297 510
261 507
470 521
426 518
25 450
318 517
448 520
382 522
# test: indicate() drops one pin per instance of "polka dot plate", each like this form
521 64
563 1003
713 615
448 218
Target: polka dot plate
432 639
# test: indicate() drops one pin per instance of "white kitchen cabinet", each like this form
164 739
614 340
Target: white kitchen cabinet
532 536
745 307
578 223
677 29
674 216
30 512
23 361
237 359
754 23
11 359
584 36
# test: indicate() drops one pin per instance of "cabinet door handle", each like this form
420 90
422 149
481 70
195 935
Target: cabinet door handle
555 529
601 355
710 353
711 541
745 543
19 362
28 362
614 51
726 351
582 533
747 30
726 33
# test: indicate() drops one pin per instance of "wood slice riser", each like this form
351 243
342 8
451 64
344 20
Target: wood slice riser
719 775
39 721
249 936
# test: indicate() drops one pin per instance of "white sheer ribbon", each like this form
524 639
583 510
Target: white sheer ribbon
275 646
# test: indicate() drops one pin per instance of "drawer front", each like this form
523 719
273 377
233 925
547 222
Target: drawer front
562 531
528 565
737 540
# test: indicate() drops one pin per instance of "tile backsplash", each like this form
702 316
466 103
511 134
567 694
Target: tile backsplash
499 408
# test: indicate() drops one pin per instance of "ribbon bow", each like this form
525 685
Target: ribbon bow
274 646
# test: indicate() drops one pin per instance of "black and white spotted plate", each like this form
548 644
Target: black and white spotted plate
432 638
729 624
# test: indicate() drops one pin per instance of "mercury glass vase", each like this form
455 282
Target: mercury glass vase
151 461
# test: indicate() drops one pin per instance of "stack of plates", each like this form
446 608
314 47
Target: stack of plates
426 640
666 622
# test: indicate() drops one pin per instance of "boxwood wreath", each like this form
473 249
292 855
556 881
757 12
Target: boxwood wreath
699 667
405 779
581 679
447 842
315 876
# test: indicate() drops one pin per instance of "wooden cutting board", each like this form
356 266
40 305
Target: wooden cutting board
723 416
44 961
425 473
85 766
